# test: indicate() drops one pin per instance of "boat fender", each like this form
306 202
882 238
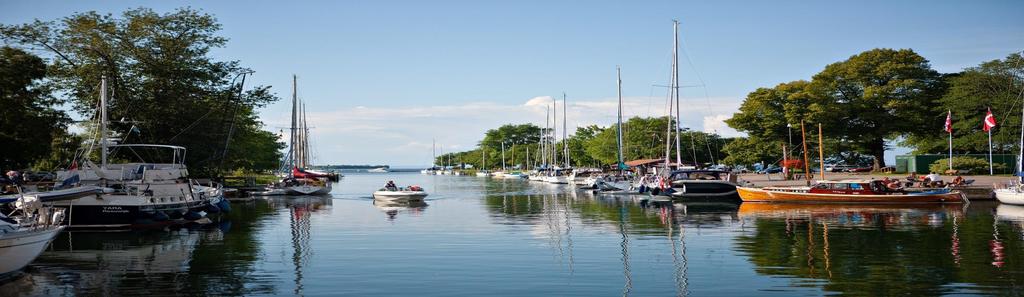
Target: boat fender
212 208
225 205
160 216
192 216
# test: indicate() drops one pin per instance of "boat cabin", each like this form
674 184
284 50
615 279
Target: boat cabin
851 187
699 175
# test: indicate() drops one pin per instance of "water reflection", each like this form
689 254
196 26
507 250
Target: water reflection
300 212
882 249
392 208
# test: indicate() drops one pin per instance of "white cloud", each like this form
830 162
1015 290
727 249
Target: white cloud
402 135
716 124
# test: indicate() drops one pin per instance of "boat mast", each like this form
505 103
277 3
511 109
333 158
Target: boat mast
433 152
544 137
618 82
565 132
291 141
1020 157
807 166
821 152
103 122
503 168
483 154
675 86
554 132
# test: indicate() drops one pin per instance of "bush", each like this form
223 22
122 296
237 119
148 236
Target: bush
971 164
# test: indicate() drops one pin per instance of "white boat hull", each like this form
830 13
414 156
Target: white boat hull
556 179
399 196
1010 196
309 190
18 249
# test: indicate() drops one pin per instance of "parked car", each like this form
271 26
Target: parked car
35 176
772 169
839 167
861 169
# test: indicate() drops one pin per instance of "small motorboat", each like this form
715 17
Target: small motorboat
411 193
378 170
483 173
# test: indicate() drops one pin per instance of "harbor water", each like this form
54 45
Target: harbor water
478 236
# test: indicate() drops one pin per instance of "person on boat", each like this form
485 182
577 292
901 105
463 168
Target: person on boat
391 186
893 185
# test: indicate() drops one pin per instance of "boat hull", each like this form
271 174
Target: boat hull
18 249
760 195
703 188
1010 196
308 190
399 196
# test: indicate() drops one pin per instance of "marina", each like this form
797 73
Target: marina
511 148
492 236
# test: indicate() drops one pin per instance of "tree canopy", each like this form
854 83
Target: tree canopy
29 119
162 79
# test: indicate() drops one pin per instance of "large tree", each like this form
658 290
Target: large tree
29 121
877 95
162 79
996 84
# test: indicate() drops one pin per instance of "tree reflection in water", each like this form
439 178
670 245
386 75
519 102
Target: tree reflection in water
882 249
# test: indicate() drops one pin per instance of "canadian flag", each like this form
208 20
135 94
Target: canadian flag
990 121
949 122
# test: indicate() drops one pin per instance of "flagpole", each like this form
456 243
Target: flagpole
949 128
990 171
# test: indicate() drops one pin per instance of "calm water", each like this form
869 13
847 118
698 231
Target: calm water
476 236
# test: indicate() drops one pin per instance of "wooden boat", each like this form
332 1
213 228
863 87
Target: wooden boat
847 191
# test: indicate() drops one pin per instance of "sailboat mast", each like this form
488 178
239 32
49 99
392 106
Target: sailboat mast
305 138
565 132
1020 157
675 86
544 137
433 152
554 132
618 83
503 168
291 140
103 122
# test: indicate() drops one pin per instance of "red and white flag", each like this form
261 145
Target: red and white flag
949 122
990 121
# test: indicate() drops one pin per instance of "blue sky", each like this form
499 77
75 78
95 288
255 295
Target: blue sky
383 78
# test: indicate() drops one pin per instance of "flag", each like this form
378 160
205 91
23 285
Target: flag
990 121
72 176
949 122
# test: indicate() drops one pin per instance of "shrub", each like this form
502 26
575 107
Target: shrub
971 164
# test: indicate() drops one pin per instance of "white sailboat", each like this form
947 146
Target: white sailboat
26 232
1014 194
620 181
483 167
561 175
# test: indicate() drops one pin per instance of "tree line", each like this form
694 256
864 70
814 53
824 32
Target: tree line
165 88
589 146
883 96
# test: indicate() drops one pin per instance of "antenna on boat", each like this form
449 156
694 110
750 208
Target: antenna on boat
103 122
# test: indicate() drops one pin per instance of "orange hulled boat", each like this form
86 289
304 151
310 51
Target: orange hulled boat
848 191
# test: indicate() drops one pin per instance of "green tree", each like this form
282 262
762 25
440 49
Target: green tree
162 79
994 84
877 95
28 117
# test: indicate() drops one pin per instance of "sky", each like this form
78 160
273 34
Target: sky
383 79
